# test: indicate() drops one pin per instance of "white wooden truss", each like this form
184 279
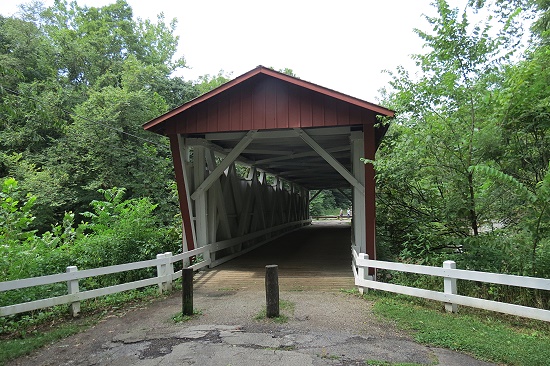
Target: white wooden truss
232 212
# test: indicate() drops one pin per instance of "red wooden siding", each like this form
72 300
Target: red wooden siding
281 108
258 122
270 107
266 103
266 99
293 106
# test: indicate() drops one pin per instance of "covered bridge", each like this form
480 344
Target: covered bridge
296 138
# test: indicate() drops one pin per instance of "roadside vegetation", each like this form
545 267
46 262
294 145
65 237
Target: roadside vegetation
463 172
485 335
286 311
180 318
20 335
17 347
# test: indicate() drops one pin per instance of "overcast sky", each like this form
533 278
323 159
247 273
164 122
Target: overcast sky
342 45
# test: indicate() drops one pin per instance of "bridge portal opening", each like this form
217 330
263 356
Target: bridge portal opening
293 139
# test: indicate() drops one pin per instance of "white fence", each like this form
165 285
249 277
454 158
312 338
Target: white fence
165 276
165 271
361 264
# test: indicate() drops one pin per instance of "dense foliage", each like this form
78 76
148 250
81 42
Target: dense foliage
76 85
463 173
117 231
330 202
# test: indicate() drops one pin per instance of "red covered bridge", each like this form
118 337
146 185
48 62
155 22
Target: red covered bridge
296 138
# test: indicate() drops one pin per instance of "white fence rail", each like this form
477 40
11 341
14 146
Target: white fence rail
450 275
267 234
165 276
165 272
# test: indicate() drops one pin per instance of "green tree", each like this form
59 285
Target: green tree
122 231
77 83
430 199
92 42
286 71
106 147
534 221
463 171
15 215
25 51
207 82
32 119
525 117
322 204
537 10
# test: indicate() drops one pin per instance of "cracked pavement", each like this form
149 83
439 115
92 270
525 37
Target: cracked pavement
323 328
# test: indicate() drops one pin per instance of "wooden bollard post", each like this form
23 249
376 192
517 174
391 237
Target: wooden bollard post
272 290
187 291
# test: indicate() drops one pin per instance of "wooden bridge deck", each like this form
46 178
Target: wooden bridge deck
317 257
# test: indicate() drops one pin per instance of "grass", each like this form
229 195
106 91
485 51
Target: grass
13 348
350 291
23 333
285 307
324 354
485 335
180 318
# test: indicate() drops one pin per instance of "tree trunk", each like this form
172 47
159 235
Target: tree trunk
473 214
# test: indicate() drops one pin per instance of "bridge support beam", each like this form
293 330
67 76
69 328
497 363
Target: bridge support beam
358 235
369 145
363 145
181 159
227 209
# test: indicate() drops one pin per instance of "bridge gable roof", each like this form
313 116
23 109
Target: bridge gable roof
264 99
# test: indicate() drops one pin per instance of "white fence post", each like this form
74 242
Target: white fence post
72 288
449 287
161 271
169 270
363 272
207 256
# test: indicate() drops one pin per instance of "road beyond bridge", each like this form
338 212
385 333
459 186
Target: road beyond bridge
325 325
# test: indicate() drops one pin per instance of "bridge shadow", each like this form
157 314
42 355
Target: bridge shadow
314 257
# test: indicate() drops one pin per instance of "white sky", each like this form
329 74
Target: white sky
342 45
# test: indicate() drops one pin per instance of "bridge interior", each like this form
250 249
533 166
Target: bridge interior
251 154
316 257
